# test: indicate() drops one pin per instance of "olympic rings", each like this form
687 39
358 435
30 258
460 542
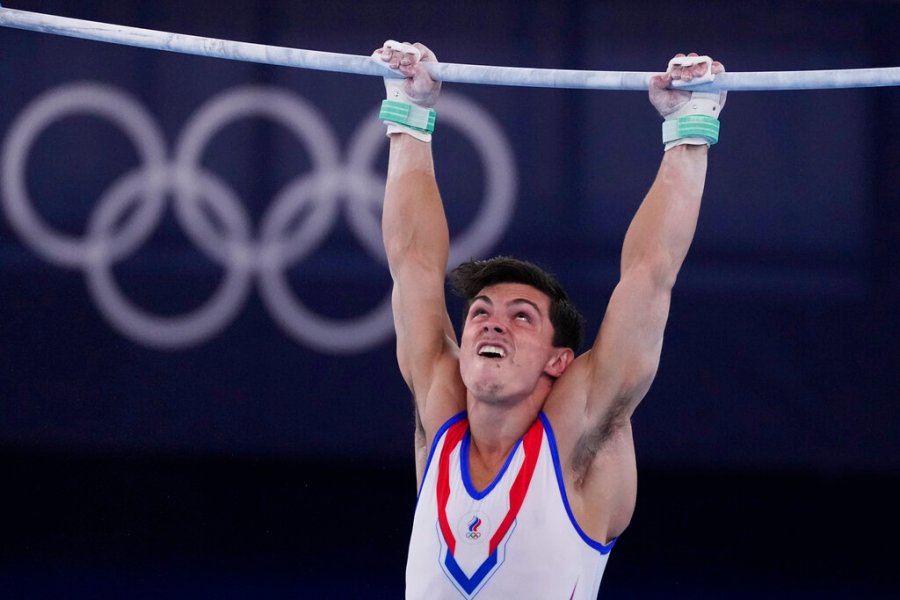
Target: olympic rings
131 208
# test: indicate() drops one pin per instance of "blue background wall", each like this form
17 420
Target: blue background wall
255 454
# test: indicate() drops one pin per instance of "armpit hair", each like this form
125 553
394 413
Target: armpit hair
593 440
419 438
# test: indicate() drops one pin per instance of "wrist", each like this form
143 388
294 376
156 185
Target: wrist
403 139
408 155
694 123
688 150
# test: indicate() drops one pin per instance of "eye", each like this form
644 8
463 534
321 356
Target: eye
523 317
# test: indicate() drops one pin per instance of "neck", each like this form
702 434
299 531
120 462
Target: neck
496 426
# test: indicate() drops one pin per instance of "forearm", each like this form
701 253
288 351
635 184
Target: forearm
413 223
663 227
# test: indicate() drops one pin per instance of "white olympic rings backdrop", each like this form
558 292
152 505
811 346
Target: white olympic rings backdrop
127 213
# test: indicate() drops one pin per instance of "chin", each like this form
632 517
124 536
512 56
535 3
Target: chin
485 382
492 392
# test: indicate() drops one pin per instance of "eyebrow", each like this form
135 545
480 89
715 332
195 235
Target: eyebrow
487 300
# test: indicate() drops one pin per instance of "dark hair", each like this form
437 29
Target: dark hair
468 279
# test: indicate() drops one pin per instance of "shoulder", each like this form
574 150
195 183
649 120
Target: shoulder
592 431
586 405
572 396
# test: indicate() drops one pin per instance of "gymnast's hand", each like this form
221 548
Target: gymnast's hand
666 100
419 86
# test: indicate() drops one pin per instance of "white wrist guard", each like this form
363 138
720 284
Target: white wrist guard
696 122
398 112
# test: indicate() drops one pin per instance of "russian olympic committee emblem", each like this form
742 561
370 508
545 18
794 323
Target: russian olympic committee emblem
128 212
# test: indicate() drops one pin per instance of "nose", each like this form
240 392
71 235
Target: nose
495 327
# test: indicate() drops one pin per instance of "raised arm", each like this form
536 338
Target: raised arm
614 376
592 403
626 353
416 240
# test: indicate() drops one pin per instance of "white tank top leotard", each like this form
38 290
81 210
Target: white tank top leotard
516 539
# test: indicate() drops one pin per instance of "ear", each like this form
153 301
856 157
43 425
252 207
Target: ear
559 362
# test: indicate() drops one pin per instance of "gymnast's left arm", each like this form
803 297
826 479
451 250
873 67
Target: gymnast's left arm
595 398
625 355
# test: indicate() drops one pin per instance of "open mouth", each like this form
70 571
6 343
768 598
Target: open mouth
489 351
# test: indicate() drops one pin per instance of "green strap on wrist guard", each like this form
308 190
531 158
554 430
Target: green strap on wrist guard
691 126
413 116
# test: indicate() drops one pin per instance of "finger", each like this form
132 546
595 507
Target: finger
408 62
399 51
675 67
395 59
691 71
387 50
408 70
427 54
661 81
698 70
676 71
408 58
402 47
386 55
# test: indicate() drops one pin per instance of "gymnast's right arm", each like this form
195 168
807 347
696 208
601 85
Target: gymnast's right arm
416 239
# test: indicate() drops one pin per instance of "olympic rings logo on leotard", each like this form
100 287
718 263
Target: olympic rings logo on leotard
130 209
473 526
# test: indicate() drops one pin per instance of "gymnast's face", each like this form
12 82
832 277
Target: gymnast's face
507 343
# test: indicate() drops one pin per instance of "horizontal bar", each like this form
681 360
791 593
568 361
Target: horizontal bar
457 73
